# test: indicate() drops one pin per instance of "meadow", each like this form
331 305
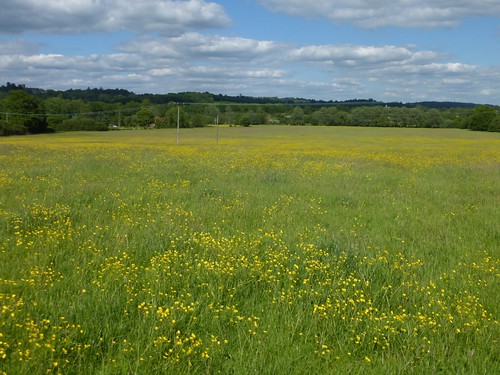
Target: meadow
279 250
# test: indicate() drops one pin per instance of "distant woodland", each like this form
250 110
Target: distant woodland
26 110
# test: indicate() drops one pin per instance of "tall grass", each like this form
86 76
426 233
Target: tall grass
281 250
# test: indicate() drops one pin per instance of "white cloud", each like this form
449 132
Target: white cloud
233 65
192 46
404 13
85 16
352 55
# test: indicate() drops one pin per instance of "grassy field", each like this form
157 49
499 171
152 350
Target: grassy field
281 250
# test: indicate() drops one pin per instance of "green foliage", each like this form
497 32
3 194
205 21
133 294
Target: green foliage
171 116
433 119
297 116
11 128
483 118
79 124
495 124
144 118
245 120
253 116
120 108
330 116
24 112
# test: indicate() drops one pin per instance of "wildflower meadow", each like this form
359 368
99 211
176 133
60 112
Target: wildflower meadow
259 250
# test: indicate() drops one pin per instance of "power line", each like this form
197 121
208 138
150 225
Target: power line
75 113
214 104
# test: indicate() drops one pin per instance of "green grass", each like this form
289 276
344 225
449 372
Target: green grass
282 250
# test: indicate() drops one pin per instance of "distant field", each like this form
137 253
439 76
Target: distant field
279 250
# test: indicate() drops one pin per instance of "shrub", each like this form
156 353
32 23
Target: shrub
76 124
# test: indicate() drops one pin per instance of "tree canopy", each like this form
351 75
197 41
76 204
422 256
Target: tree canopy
483 118
24 113
30 110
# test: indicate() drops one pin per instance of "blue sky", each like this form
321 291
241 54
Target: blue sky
407 50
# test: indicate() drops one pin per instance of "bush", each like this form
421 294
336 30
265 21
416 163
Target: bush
495 124
12 128
78 124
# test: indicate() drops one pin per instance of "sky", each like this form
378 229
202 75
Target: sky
387 50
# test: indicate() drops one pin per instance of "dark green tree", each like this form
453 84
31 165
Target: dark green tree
24 113
144 118
481 118
433 119
251 117
80 123
495 125
297 116
170 118
330 116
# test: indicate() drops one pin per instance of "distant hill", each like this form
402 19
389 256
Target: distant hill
438 105
124 96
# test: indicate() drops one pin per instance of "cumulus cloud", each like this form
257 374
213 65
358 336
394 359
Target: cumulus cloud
211 47
195 47
404 13
85 16
233 65
352 55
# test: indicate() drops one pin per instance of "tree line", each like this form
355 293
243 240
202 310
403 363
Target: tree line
28 111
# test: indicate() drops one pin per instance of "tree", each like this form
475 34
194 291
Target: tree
80 123
433 119
11 129
481 118
495 125
297 116
144 118
25 113
366 116
330 116
170 118
251 117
